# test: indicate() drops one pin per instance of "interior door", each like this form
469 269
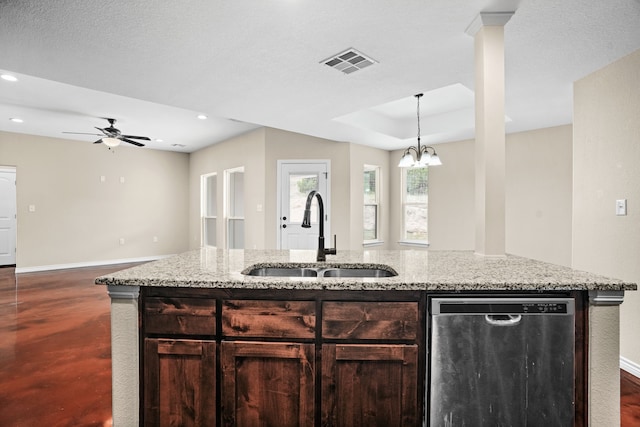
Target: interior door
296 180
7 217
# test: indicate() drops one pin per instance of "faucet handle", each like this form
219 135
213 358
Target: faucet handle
333 250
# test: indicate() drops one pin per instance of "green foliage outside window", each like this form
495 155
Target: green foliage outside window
305 185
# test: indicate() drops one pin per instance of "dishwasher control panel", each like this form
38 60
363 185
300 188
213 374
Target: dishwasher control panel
514 306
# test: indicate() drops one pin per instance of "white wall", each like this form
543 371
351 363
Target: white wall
606 147
79 219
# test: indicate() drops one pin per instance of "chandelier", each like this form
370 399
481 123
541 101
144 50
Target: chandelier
423 157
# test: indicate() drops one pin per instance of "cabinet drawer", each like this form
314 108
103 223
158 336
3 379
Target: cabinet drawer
370 320
268 319
191 316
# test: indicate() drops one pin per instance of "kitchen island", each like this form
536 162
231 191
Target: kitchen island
201 304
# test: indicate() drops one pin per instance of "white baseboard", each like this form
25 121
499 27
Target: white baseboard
629 366
86 264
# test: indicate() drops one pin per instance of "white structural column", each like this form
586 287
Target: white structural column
125 379
488 32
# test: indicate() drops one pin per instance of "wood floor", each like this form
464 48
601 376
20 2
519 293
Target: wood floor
55 356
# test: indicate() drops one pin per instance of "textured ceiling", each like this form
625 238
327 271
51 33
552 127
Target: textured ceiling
258 63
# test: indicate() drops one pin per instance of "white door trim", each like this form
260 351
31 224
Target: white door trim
327 202
11 222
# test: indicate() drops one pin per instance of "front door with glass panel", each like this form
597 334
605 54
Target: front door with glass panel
296 180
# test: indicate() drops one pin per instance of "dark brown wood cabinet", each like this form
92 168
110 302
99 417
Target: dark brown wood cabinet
229 358
267 384
369 385
374 382
180 382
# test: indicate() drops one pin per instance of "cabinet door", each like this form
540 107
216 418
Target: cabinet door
179 383
267 384
369 385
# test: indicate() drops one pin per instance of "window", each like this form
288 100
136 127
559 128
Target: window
208 207
415 205
234 209
371 218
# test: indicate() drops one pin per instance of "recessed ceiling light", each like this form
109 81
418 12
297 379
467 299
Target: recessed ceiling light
202 117
16 120
159 140
9 77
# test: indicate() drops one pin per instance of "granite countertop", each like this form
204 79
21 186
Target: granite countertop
417 270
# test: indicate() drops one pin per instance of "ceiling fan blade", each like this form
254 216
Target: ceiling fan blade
83 133
122 138
137 137
102 130
98 141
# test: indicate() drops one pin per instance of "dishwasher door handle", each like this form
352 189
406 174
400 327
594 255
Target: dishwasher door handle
503 319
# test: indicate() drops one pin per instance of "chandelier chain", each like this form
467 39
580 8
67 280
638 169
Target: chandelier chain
418 114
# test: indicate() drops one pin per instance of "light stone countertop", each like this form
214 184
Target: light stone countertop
428 270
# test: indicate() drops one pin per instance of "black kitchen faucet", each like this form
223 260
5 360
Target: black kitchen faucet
306 223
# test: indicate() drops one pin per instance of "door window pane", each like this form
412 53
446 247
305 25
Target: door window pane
299 187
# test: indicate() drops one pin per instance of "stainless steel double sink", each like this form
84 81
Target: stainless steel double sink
320 271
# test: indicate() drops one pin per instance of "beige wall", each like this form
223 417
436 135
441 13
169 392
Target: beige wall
248 151
283 145
258 151
79 219
538 196
606 147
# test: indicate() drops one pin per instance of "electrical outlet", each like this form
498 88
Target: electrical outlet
122 240
155 239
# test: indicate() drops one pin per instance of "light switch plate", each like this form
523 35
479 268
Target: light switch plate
621 207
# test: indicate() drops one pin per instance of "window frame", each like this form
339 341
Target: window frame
378 229
204 208
228 218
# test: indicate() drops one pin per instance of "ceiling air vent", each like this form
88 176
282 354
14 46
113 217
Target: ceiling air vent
349 61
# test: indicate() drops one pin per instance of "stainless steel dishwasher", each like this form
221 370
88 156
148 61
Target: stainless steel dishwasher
501 362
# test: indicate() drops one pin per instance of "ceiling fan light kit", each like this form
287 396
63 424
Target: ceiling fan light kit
110 142
111 137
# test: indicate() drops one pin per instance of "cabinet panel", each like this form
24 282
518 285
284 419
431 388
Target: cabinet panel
179 383
370 320
195 316
269 319
267 384
369 385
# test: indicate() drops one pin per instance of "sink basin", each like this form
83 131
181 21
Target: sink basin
358 272
282 272
335 270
